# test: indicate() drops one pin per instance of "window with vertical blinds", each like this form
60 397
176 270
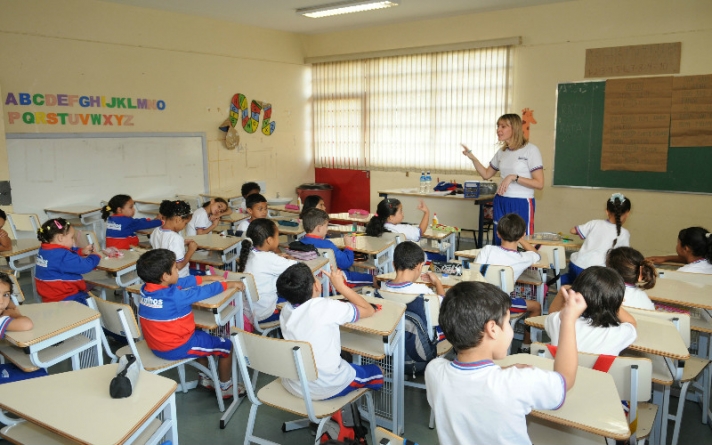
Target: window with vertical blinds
409 113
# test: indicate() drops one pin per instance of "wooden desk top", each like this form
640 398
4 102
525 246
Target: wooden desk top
365 244
316 264
288 230
682 292
383 322
87 389
441 195
213 241
346 217
234 217
448 282
592 405
471 254
50 319
116 264
436 234
345 228
75 210
658 337
215 301
280 208
21 246
569 245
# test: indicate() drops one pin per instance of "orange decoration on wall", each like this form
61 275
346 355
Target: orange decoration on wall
527 119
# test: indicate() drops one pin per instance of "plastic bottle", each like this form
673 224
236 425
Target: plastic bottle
299 203
435 219
428 182
421 190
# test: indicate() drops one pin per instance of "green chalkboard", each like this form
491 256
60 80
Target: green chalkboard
579 137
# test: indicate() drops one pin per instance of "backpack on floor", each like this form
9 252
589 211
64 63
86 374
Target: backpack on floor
346 425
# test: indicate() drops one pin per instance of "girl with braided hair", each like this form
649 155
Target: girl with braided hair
177 215
601 235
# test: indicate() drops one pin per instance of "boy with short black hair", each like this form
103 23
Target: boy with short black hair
473 399
316 226
512 230
408 259
247 189
308 317
256 205
167 316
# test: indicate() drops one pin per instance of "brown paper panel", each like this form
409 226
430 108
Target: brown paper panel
660 86
635 60
624 121
644 136
698 108
692 82
635 157
699 140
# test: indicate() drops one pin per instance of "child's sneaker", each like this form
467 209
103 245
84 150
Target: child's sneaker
205 382
226 389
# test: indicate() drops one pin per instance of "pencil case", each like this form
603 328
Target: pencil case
291 207
287 222
359 213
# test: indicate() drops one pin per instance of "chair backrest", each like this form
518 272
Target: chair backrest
85 237
620 371
17 297
680 320
432 305
398 237
274 356
500 276
194 201
111 321
23 225
555 257
329 254
699 278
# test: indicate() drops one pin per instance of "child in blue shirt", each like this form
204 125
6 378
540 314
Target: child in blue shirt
121 226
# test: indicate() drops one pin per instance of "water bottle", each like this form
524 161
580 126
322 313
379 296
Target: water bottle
428 182
422 183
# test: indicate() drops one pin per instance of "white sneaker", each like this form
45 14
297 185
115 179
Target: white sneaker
205 382
226 389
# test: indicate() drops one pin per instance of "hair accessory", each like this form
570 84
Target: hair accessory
247 238
108 209
41 229
59 226
620 197
708 234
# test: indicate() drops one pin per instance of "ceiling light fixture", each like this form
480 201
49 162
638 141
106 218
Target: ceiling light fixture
345 7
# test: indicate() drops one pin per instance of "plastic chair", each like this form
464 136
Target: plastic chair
557 260
23 225
194 201
291 360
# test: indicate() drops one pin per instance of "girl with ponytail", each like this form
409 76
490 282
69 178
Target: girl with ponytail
638 274
389 218
694 249
259 256
601 235
121 226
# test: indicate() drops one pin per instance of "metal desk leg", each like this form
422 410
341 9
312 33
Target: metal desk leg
481 225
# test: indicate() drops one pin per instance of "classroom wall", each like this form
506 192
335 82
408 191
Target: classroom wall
195 65
555 38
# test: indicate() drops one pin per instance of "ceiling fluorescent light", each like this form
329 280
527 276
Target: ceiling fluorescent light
346 7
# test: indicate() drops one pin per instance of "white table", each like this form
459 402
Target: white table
380 249
228 247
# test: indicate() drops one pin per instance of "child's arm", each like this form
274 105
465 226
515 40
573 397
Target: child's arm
423 226
566 361
5 241
18 321
558 302
625 317
526 245
667 258
192 247
439 289
337 280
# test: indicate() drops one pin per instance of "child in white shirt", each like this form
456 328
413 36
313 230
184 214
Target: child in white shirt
389 217
177 215
638 274
600 235
475 401
206 218
408 259
256 205
605 327
258 256
511 230
308 317
694 248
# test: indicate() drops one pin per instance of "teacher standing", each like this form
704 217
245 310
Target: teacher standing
521 168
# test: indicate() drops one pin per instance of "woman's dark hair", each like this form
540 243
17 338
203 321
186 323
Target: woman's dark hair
222 200
169 209
618 205
386 208
114 204
603 289
256 234
51 228
631 265
310 202
4 278
699 240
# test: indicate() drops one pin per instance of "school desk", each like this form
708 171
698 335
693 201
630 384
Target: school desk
316 266
22 256
95 418
380 339
439 241
87 215
380 249
592 405
292 233
448 282
573 245
123 270
412 192
342 229
279 209
359 220
148 206
72 323
234 219
233 197
227 247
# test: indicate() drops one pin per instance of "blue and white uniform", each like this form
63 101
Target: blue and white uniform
121 230
344 260
168 239
58 273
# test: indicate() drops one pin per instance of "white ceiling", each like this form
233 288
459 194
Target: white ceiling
281 15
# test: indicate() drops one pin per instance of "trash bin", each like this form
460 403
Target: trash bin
316 188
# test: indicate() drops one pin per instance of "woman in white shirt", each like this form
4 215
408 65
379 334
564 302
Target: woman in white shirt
694 249
521 168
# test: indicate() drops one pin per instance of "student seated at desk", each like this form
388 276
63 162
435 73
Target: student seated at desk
311 202
167 319
694 249
316 225
121 226
638 274
176 216
474 400
308 317
10 317
259 257
512 231
605 327
5 241
59 265
256 208
206 218
247 189
408 260
389 216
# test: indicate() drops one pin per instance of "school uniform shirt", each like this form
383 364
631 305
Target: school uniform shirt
265 267
520 162
58 271
168 239
121 230
344 258
699 266
412 233
498 255
409 288
598 236
594 340
4 323
166 314
637 298
200 220
243 225
317 321
480 403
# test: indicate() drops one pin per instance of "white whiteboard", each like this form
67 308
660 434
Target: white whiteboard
55 170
